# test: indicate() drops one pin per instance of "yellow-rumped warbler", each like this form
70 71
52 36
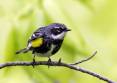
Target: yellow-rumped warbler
46 41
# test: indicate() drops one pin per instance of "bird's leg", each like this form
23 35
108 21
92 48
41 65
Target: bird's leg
59 61
33 62
49 61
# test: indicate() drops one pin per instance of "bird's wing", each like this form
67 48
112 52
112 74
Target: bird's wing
36 39
37 34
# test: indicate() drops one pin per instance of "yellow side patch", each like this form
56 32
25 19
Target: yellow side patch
37 42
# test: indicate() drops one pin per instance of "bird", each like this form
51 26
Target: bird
46 40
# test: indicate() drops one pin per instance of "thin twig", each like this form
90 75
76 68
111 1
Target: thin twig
84 60
55 63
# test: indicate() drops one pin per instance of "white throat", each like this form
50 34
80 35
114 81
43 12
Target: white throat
59 36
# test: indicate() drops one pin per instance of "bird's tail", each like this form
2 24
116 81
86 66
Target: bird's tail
22 51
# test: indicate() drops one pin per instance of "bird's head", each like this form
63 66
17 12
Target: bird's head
58 30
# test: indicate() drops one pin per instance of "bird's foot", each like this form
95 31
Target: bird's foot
59 61
49 62
33 63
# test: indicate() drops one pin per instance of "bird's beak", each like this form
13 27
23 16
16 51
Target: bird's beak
68 30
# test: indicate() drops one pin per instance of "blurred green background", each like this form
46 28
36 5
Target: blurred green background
94 27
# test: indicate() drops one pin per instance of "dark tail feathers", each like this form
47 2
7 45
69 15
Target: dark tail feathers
22 51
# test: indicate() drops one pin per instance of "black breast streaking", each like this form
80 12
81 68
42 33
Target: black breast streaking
47 45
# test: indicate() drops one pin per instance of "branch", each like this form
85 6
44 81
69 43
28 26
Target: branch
55 63
84 60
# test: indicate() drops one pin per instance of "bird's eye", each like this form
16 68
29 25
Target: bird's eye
56 31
